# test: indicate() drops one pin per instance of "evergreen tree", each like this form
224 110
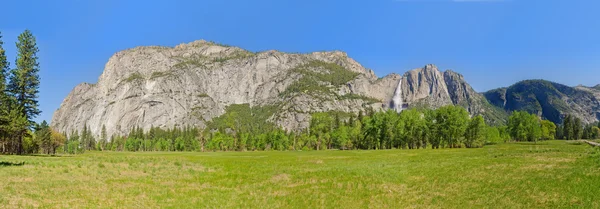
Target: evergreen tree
4 68
43 135
577 129
103 139
4 110
567 128
24 79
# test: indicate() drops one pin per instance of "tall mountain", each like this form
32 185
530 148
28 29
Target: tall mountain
193 83
549 100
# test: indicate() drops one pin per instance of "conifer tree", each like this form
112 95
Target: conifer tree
24 79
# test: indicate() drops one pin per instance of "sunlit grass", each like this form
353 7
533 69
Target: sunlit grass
516 175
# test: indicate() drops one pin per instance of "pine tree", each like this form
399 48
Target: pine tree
4 65
103 138
568 128
24 79
4 120
577 129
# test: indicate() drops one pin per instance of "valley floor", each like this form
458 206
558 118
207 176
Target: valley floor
514 175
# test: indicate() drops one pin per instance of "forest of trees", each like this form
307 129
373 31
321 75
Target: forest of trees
445 127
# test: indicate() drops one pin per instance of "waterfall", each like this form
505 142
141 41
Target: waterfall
397 99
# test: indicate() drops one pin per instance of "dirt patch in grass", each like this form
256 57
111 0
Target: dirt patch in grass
280 178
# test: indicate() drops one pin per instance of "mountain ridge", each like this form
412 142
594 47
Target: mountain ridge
190 84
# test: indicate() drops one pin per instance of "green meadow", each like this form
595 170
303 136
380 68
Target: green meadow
552 174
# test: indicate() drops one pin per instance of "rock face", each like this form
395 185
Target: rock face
190 84
549 100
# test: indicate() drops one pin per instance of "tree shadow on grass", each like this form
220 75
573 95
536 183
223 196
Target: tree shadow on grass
6 164
44 155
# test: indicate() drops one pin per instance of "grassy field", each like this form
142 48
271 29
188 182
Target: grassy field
516 175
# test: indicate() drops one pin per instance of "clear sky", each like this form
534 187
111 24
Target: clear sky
493 43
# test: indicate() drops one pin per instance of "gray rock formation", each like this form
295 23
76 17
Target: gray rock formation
549 100
192 83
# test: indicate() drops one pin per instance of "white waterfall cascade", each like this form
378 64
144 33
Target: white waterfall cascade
397 99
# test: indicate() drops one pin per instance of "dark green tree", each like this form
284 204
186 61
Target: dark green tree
577 128
4 99
568 128
24 79
43 135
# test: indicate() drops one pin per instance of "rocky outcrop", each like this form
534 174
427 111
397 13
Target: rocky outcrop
549 100
190 84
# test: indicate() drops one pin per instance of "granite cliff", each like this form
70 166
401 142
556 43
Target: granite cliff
190 84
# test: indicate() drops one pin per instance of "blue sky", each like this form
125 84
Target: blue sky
493 43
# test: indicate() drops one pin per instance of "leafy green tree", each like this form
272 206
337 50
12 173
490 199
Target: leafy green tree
320 125
341 137
452 122
414 127
524 126
475 132
492 135
355 133
548 130
595 132
57 139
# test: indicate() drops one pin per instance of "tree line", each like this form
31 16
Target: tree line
445 127
573 129
19 97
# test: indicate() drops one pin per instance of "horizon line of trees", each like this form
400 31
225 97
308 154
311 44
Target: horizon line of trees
445 127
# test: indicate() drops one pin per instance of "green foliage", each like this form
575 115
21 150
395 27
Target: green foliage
350 96
450 122
412 129
548 130
572 128
134 77
525 127
595 133
542 97
246 119
475 132
193 61
43 135
4 69
24 80
492 135
244 128
318 78
159 75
